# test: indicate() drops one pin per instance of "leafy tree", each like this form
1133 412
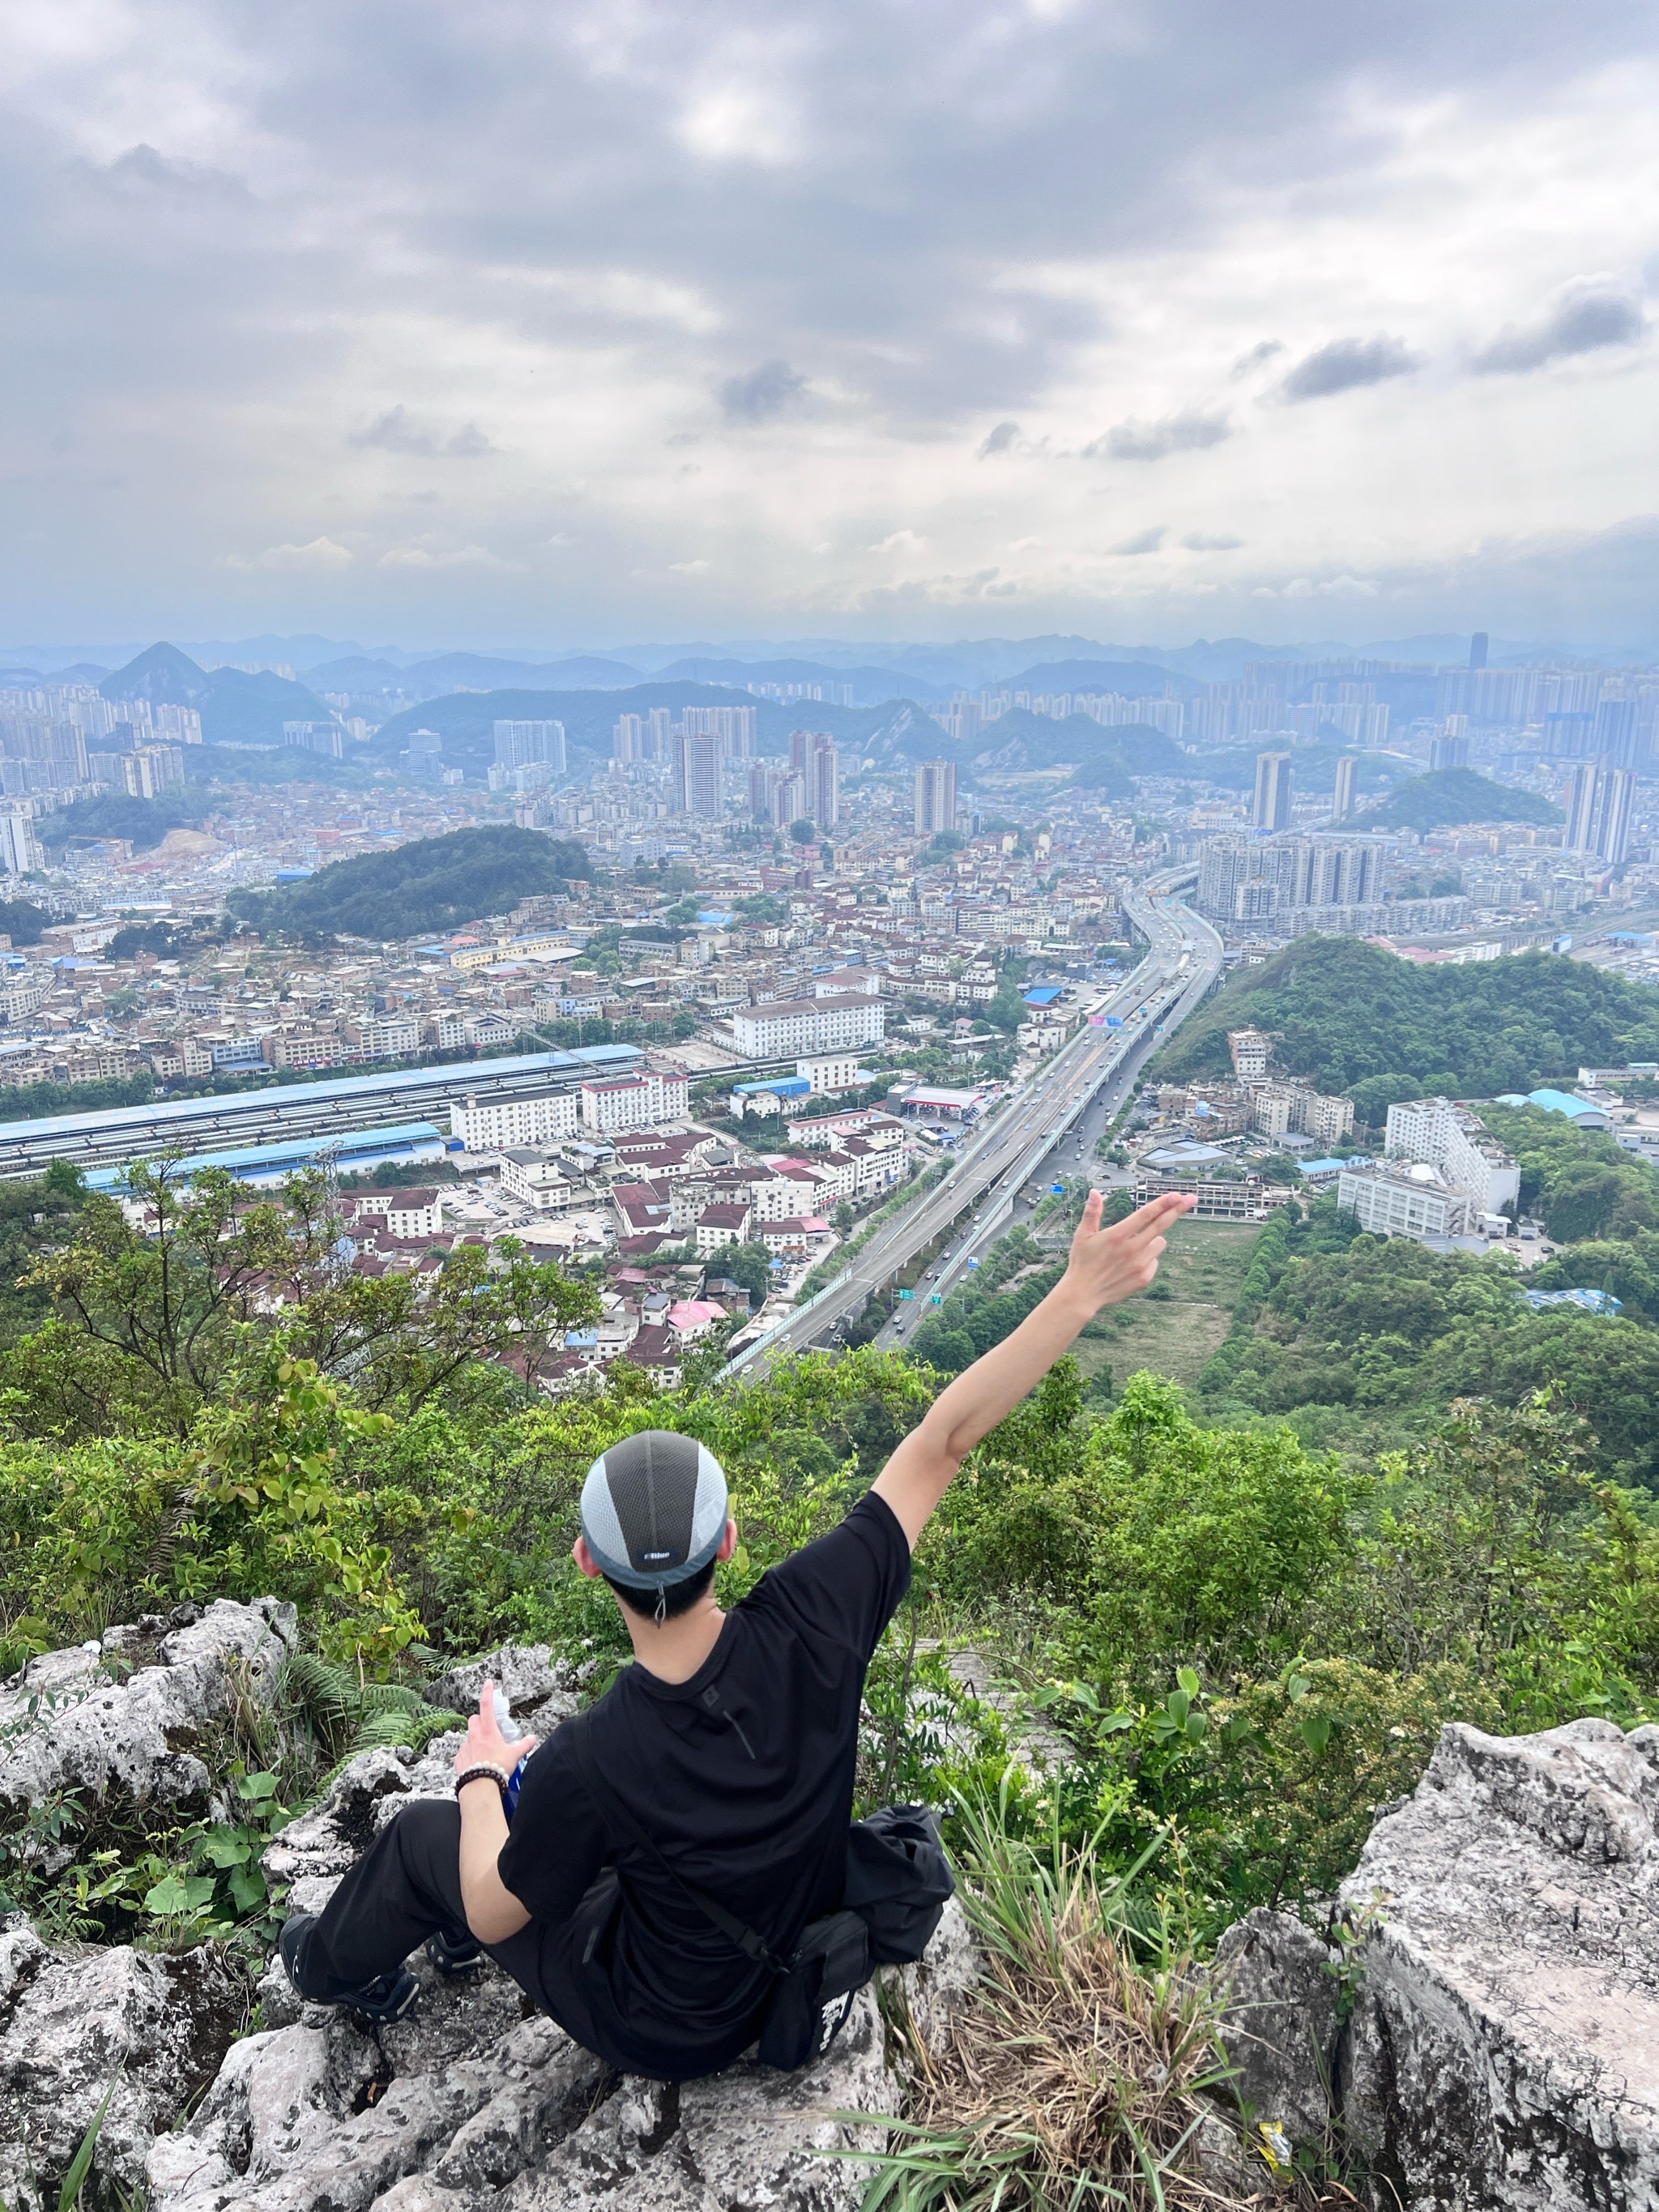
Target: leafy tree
803 832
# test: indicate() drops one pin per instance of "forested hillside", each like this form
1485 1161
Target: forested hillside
429 884
1354 1018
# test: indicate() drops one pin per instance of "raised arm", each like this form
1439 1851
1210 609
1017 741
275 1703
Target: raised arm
1106 1266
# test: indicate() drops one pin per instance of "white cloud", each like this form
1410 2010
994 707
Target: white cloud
320 553
441 557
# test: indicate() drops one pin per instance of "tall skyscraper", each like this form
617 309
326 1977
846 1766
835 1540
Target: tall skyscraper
1477 649
660 731
1613 831
1342 805
628 738
823 786
697 776
1270 807
936 797
524 745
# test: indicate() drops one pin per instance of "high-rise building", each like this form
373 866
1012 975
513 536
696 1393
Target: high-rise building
525 745
735 726
935 797
1613 732
19 848
777 794
1477 649
660 731
1343 804
697 776
813 755
1449 749
628 737
1599 802
1270 807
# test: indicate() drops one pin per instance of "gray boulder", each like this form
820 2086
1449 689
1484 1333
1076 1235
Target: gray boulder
154 2025
1503 2050
127 1717
538 1690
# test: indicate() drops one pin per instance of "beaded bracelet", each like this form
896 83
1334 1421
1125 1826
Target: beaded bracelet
478 1773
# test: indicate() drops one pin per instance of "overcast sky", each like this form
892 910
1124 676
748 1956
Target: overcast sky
571 323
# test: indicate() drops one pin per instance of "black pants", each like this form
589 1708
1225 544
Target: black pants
407 1886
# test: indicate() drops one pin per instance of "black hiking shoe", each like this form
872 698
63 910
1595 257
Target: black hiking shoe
387 1998
455 1954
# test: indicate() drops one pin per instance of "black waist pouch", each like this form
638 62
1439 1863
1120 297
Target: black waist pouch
894 1892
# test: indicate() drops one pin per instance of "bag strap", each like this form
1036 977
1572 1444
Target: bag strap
752 1944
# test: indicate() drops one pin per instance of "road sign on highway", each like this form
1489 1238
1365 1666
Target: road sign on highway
938 1297
906 1294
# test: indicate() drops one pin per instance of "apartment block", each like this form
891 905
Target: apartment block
492 1125
637 1101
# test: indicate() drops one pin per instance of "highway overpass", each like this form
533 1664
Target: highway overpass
1182 961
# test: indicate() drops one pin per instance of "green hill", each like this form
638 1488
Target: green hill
430 883
1447 796
1354 1018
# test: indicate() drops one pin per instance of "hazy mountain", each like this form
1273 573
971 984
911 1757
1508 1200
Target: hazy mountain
236 707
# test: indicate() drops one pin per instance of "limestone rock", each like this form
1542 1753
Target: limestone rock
1281 2020
128 1717
537 1689
467 2105
1504 2051
156 2024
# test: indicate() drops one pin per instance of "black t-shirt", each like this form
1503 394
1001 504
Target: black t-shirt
750 1800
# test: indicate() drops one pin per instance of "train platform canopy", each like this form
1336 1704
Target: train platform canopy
351 1153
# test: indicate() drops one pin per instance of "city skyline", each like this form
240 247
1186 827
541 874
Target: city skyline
624 325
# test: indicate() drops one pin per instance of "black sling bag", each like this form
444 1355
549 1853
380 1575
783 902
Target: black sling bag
897 1881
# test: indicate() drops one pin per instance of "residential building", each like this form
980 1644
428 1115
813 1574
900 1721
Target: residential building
628 738
723 1224
526 744
491 1125
399 1212
697 787
19 848
1270 808
535 1180
1251 1051
385 1037
1600 800
1450 1138
637 1101
935 797
790 1028
1342 805
1401 1198
829 1072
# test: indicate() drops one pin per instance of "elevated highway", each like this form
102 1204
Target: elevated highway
1182 961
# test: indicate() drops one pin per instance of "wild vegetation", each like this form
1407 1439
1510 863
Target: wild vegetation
1448 795
431 883
1353 1019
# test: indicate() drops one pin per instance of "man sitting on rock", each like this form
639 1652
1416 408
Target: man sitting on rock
729 1748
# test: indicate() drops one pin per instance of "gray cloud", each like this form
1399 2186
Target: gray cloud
1199 541
1583 318
571 225
1144 541
1256 358
1344 364
761 394
1189 432
396 431
998 439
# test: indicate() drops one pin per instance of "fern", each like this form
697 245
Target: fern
350 1715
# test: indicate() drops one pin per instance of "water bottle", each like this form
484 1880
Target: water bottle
510 1732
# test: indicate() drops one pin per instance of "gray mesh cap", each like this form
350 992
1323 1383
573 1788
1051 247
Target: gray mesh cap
654 1509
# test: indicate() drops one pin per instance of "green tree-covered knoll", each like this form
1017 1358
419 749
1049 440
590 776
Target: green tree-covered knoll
1446 796
429 884
1363 1341
1354 1018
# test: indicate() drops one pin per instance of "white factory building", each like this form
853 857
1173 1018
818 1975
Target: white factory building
781 1028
